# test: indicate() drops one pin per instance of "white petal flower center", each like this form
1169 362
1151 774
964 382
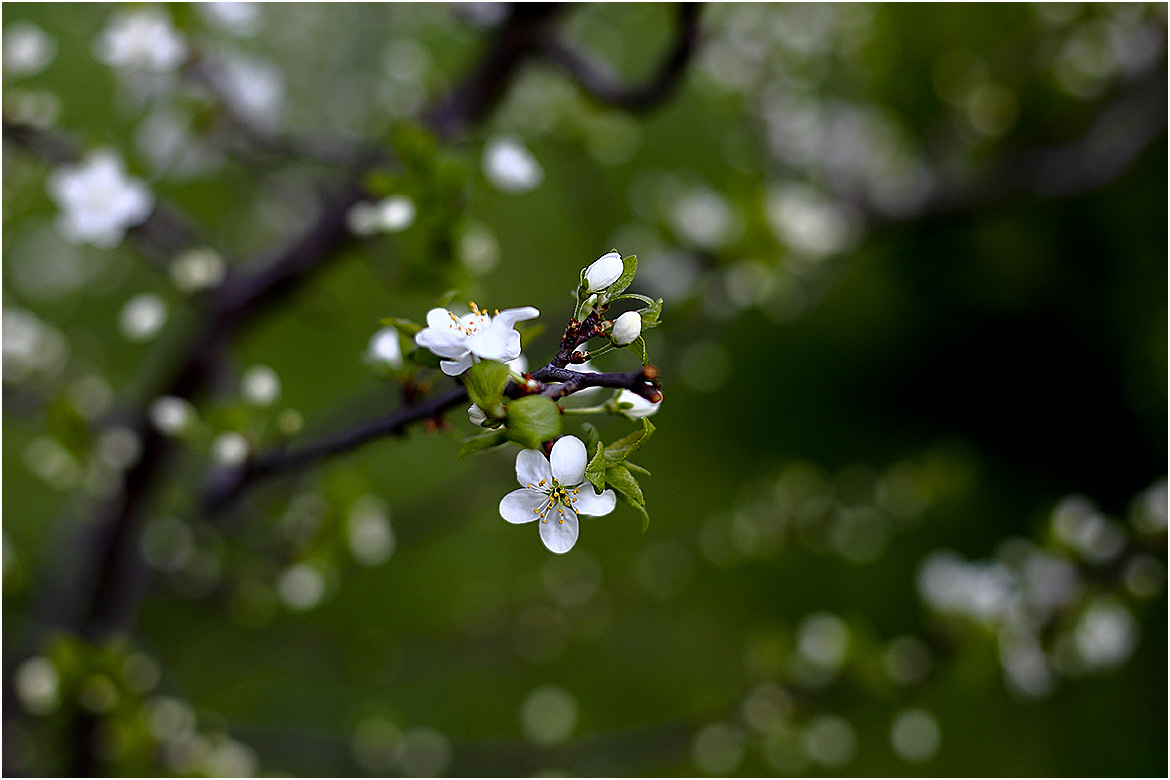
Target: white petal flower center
560 498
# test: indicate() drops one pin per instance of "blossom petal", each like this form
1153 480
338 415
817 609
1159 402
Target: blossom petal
531 468
492 343
509 317
458 366
590 502
440 319
568 460
558 533
444 343
523 505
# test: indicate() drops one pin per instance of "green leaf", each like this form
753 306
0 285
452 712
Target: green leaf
636 297
638 347
651 315
479 441
620 479
595 471
405 327
641 509
623 448
485 384
629 267
533 420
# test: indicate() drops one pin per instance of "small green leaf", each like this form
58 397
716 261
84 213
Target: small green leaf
620 479
638 347
629 267
595 471
641 509
636 297
628 445
405 327
479 441
532 420
485 384
651 315
446 298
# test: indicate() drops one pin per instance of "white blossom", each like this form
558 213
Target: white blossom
142 40
627 327
98 201
461 340
27 49
384 348
510 166
640 407
603 271
555 492
476 415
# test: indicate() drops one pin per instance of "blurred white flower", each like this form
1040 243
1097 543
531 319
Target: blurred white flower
27 49
98 201
142 40
603 271
510 166
627 327
389 215
235 18
254 88
461 340
556 485
260 385
384 348
143 316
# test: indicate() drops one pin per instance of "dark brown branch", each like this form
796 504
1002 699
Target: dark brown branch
597 80
642 381
226 485
516 40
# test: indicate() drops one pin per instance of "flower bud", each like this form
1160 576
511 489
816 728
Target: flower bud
627 327
604 271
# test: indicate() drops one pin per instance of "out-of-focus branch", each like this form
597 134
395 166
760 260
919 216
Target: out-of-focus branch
227 484
597 79
516 40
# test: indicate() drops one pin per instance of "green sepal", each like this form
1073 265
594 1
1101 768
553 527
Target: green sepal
620 479
629 267
595 470
479 441
623 448
641 509
634 467
485 385
532 420
638 347
405 327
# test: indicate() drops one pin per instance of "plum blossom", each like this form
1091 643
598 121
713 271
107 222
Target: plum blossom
555 492
510 166
98 200
142 40
462 340
638 406
627 328
603 271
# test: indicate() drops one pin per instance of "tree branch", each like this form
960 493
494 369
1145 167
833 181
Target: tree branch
226 485
599 82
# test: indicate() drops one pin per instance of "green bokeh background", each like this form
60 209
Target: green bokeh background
1013 353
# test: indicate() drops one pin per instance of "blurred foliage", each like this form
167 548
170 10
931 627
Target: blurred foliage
909 475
